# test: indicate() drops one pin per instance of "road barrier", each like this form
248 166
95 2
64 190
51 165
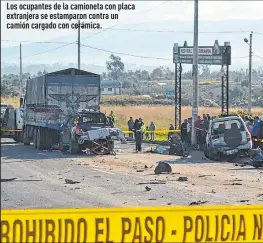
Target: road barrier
152 224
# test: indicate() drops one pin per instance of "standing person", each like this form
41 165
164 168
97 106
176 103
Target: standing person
170 134
147 133
255 129
138 135
208 117
184 131
130 127
143 127
204 126
189 130
112 116
152 128
198 131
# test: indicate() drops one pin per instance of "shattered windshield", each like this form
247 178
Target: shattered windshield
219 127
93 118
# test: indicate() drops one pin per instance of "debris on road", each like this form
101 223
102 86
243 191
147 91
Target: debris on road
9 179
139 170
198 202
145 167
152 199
147 188
244 200
169 203
205 175
152 183
162 167
68 181
213 191
182 178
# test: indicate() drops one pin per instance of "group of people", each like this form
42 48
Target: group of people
255 127
140 131
147 131
201 126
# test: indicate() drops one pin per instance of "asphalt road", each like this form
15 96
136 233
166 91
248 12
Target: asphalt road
31 178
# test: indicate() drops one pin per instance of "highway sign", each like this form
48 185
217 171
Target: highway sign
210 55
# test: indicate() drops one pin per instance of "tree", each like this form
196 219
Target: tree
115 67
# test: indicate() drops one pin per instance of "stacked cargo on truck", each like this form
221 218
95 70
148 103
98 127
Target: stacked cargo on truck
53 98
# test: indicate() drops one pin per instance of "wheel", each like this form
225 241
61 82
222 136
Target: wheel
73 146
256 164
25 139
40 139
35 137
47 139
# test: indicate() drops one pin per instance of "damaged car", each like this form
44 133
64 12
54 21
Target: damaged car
227 137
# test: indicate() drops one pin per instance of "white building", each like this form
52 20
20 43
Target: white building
110 87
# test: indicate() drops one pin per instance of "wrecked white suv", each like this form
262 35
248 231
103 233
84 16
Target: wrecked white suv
227 136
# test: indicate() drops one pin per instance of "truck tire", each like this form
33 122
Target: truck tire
35 137
25 139
73 146
47 137
40 139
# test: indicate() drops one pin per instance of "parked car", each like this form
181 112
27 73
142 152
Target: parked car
227 136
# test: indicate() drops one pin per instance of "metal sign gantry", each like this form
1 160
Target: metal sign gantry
209 55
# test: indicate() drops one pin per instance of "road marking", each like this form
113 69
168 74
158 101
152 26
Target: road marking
107 172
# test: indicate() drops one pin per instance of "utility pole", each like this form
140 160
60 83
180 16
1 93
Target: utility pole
195 74
79 45
20 73
250 75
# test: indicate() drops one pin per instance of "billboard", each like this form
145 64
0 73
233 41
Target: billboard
209 55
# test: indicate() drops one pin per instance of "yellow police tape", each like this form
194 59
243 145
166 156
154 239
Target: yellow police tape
156 224
257 140
11 130
155 132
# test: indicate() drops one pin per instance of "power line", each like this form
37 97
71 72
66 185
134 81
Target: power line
132 55
38 42
36 54
258 56
179 31
126 54
133 30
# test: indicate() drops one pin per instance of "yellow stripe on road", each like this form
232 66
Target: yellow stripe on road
156 224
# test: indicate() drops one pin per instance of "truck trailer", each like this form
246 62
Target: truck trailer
53 100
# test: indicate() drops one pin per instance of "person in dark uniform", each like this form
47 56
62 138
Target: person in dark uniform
138 134
184 131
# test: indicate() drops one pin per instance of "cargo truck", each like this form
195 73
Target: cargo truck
52 100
